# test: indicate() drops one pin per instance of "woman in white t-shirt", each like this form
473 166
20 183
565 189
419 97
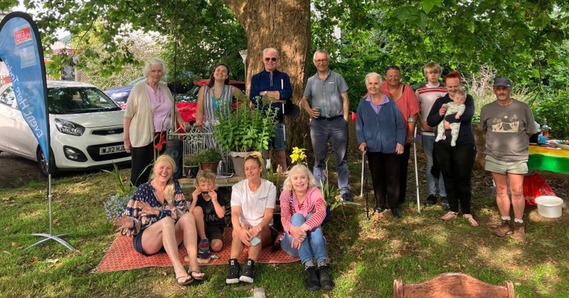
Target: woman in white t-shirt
252 207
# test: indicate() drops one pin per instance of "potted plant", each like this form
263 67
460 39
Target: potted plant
209 159
191 165
245 130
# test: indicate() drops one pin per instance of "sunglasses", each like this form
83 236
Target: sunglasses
274 59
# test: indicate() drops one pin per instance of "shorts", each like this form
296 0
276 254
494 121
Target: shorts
279 139
137 243
504 167
214 232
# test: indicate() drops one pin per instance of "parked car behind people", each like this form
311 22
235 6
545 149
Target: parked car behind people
85 127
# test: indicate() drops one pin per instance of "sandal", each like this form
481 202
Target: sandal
185 283
450 215
196 275
471 220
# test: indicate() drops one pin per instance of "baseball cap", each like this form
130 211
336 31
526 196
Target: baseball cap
502 82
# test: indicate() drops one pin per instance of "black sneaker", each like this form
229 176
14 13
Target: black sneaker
431 200
444 203
233 274
204 254
396 212
346 197
247 273
325 280
379 209
311 279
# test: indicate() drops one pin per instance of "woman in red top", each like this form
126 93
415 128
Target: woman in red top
406 101
303 210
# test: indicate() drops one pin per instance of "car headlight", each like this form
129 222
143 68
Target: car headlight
119 95
68 127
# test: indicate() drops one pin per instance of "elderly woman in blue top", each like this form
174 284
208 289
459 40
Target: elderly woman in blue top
158 218
273 86
381 132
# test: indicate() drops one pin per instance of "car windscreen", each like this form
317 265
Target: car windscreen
74 100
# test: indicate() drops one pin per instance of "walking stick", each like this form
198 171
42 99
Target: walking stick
362 180
416 170
365 183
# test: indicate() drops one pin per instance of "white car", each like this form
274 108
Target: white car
86 128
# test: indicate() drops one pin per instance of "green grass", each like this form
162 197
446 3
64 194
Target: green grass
366 256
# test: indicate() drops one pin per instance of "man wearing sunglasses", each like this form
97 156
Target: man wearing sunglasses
273 86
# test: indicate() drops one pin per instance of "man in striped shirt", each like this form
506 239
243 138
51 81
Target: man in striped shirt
427 95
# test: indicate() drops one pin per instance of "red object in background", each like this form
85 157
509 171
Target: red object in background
535 186
187 111
353 117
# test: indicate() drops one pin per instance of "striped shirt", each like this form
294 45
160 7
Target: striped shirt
427 96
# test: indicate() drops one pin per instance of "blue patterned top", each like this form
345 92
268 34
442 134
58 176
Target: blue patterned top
145 193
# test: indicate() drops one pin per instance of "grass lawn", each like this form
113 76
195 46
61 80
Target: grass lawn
366 256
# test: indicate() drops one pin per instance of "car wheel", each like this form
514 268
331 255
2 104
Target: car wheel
42 165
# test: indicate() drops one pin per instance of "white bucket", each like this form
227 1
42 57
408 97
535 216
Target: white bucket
549 206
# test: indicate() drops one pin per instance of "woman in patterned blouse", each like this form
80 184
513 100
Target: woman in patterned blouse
158 218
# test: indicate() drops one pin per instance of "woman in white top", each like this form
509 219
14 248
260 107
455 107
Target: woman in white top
252 207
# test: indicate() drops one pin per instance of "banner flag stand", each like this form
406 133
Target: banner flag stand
21 51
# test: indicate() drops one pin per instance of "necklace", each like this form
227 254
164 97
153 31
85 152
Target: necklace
215 100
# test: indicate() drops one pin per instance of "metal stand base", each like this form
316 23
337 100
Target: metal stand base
51 237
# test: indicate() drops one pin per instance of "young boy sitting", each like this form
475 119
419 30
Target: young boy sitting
209 211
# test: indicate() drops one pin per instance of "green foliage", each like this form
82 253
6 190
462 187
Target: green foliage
7 4
191 36
116 203
517 38
209 155
191 160
247 129
555 108
123 185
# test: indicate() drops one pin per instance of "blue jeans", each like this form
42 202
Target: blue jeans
336 130
428 143
313 246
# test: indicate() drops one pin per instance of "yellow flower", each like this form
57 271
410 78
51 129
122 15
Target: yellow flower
298 156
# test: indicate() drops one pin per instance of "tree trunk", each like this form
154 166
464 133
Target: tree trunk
284 25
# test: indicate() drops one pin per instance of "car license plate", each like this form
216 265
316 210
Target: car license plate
111 149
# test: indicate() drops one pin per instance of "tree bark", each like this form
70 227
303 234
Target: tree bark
284 25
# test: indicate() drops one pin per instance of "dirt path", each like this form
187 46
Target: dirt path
16 171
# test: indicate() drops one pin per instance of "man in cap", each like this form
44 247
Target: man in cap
508 124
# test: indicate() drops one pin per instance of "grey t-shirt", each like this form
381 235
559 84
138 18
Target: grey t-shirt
327 94
508 129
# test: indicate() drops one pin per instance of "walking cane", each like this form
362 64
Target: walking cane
365 183
416 170
362 180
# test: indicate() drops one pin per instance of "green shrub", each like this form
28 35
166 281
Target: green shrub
247 129
209 155
554 107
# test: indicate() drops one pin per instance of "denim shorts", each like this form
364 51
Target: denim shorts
279 140
503 167
137 243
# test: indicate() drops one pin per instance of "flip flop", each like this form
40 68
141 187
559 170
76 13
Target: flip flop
185 283
194 277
